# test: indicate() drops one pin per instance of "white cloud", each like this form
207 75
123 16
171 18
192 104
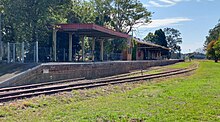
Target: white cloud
157 23
157 4
167 3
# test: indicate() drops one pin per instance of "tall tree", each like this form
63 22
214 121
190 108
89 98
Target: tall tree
173 39
160 38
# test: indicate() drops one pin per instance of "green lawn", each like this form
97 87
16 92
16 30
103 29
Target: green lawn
186 98
182 64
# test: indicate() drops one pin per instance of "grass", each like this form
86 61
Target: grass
169 67
182 64
186 98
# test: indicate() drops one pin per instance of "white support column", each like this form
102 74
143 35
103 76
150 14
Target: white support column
14 48
22 52
102 49
8 52
93 49
70 46
83 49
37 59
54 45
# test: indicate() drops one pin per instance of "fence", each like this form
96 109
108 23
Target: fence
20 52
32 52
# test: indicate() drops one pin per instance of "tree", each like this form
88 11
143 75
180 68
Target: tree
160 38
119 15
150 37
127 13
26 20
213 34
212 43
82 12
173 39
102 12
211 51
216 48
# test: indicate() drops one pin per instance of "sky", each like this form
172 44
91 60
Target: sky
193 18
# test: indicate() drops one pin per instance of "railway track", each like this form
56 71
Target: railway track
27 91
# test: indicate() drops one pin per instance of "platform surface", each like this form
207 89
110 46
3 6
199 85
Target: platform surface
10 70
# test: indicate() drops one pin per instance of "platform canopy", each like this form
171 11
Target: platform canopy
91 30
94 31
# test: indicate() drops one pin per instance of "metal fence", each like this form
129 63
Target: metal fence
20 52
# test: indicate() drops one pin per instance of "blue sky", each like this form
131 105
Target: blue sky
193 18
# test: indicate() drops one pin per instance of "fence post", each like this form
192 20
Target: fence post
83 48
14 48
8 52
22 52
1 43
36 51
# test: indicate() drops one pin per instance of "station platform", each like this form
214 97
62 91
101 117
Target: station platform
24 74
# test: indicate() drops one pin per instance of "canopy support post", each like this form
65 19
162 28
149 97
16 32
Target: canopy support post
55 44
70 47
93 49
102 50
